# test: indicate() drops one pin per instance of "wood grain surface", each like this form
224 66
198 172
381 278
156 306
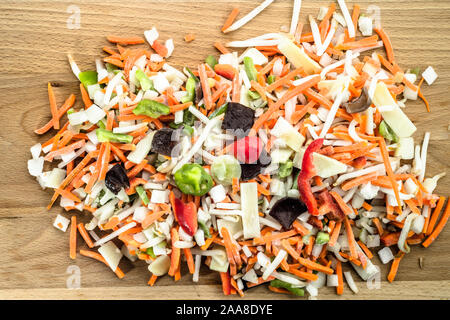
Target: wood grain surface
34 42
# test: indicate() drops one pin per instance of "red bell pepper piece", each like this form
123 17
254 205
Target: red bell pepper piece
225 70
248 149
307 172
185 214
333 211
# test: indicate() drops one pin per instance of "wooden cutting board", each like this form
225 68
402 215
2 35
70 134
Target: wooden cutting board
35 40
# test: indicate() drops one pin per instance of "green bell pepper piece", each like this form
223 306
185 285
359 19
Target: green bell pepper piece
250 69
205 229
150 252
211 61
387 132
284 285
104 135
322 237
146 83
271 79
193 179
219 111
192 75
285 169
151 108
142 194
190 89
88 78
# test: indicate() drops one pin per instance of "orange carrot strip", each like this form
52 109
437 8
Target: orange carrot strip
302 274
69 148
394 266
73 237
175 255
340 286
387 44
53 107
359 180
435 215
350 239
284 80
189 259
435 233
152 280
85 235
125 41
205 86
219 46
85 97
230 19
365 249
344 207
137 169
180 107
305 262
61 111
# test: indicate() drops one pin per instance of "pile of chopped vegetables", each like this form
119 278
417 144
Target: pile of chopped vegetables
276 165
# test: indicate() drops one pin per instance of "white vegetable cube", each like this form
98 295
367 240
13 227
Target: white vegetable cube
179 117
140 213
160 196
385 255
61 223
218 193
93 137
77 118
257 57
405 148
55 178
369 191
92 89
67 157
249 205
430 75
36 150
111 253
151 35
277 188
35 166
170 47
332 280
365 25
95 114
160 82
285 131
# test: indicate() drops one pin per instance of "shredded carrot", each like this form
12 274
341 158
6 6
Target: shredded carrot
99 257
359 180
125 41
439 227
387 44
73 237
189 37
344 207
340 286
394 266
175 255
230 19
435 215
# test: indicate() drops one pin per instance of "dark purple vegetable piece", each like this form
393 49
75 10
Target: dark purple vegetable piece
360 104
286 210
252 170
116 179
164 141
238 118
198 93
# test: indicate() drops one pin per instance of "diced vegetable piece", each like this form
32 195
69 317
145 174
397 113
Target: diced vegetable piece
322 237
250 69
61 223
385 255
192 179
142 149
387 132
405 148
298 57
285 169
238 118
190 89
284 285
211 61
88 78
55 178
94 114
104 135
430 75
286 210
219 262
144 80
281 155
285 131
160 266
225 168
151 108
325 166
365 25
142 194
116 179
112 254
396 119
256 55
249 207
